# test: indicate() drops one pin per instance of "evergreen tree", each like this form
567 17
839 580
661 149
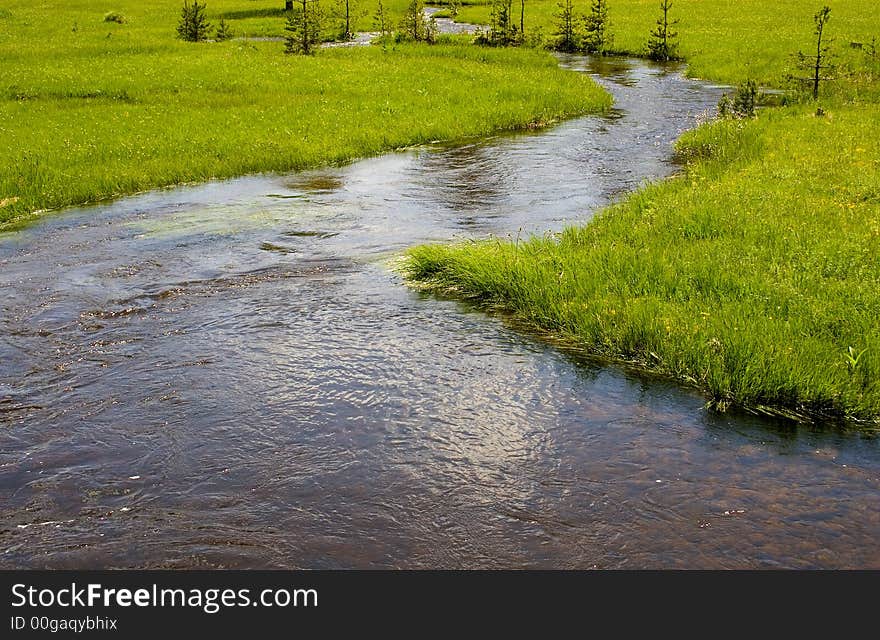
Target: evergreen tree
568 36
818 64
743 104
416 25
662 45
381 22
502 31
224 31
597 37
345 13
193 25
304 25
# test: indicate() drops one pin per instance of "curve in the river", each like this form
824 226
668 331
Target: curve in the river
227 375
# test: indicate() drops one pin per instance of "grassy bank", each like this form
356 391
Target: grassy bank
92 109
755 275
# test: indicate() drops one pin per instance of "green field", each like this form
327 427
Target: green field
92 109
755 275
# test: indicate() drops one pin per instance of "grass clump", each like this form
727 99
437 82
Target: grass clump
754 276
115 16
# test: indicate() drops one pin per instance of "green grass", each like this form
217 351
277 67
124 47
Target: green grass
751 275
110 109
724 40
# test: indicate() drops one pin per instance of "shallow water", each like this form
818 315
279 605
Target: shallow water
229 375
449 25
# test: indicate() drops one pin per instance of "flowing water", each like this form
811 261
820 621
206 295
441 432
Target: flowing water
229 375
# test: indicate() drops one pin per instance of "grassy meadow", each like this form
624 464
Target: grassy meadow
755 274
727 41
92 109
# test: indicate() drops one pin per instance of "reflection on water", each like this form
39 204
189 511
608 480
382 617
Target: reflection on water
228 376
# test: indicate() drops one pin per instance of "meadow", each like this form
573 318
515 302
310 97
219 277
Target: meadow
727 41
91 110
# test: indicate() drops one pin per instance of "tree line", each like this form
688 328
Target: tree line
575 32
308 21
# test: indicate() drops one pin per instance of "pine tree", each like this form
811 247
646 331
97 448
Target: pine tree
345 13
224 31
662 45
415 25
568 36
502 31
381 22
597 38
193 25
744 103
304 26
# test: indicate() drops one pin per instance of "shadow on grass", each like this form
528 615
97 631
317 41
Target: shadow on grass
254 13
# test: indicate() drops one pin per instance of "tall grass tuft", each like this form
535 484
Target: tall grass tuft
115 16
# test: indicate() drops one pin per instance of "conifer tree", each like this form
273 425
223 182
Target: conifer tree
304 25
502 31
818 64
662 44
568 36
415 25
224 31
346 12
193 25
597 36
381 21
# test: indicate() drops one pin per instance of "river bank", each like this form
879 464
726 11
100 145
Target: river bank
752 277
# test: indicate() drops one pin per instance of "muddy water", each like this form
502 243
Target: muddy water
229 375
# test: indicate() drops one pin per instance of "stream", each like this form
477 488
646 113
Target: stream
230 375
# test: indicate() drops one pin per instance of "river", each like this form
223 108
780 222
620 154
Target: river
230 375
